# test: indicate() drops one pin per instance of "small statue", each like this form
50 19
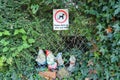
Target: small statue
60 60
72 63
41 59
52 65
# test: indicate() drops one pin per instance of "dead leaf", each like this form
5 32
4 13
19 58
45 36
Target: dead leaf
109 29
113 19
92 72
48 75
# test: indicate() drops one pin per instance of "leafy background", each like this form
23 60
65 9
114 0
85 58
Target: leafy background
26 25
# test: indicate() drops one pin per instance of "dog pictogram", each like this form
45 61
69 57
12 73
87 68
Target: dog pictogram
61 16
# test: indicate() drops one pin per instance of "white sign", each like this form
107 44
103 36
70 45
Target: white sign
60 19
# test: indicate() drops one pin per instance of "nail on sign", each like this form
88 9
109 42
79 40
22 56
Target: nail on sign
60 19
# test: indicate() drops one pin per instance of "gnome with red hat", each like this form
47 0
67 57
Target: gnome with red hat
52 65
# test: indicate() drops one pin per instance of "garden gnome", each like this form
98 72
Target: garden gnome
72 63
52 65
60 60
41 59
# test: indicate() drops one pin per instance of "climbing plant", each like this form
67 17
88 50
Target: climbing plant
26 25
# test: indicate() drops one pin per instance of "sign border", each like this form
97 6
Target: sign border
64 13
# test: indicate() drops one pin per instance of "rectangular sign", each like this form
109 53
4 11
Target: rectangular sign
60 19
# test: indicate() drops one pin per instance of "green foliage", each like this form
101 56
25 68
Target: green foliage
26 25
34 8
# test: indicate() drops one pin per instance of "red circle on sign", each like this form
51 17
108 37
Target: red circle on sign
56 16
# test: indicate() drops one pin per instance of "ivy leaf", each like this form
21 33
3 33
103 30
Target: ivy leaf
3 58
12 49
4 42
9 60
34 8
102 37
1 63
0 33
105 8
117 36
117 10
24 37
31 40
15 54
22 31
54 1
5 49
118 42
96 54
90 1
6 32
107 73
25 45
20 48
100 27
103 50
114 58
16 32
93 12
14 76
19 31
117 28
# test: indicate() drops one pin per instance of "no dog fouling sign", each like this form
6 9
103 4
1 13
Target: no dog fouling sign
60 19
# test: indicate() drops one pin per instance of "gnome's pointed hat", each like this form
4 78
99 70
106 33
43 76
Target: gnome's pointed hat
47 52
